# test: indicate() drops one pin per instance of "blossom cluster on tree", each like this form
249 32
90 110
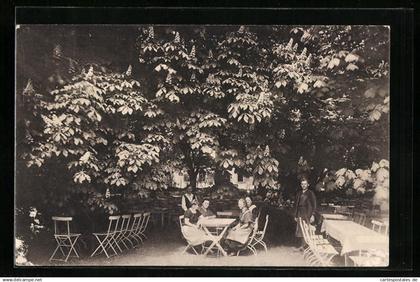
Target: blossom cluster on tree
208 99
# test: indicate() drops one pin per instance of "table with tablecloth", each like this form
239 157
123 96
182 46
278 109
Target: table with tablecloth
354 237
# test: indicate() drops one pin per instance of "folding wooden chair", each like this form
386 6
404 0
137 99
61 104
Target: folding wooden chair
359 218
248 245
189 246
259 235
135 229
379 226
107 240
143 226
66 240
122 231
319 250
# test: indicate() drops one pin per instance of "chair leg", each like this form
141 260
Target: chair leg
185 250
101 246
55 251
113 239
72 246
139 237
195 251
254 251
133 236
129 240
264 245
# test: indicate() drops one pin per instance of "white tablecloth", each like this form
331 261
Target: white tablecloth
216 222
334 216
353 236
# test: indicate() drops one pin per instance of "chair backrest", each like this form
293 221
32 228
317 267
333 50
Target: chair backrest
113 223
125 222
304 229
262 232
308 232
359 218
381 226
254 232
181 220
137 218
145 222
181 225
62 225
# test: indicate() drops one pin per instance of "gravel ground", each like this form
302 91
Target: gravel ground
166 249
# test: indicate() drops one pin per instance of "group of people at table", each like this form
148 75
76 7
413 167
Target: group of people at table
238 231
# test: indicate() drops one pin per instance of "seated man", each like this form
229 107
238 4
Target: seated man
205 211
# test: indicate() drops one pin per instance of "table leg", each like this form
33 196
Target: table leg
216 241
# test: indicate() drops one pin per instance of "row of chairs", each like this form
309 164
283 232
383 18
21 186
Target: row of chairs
124 231
319 251
376 225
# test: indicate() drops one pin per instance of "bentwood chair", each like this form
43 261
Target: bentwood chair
66 240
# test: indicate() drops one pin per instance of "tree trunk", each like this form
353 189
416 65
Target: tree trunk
193 179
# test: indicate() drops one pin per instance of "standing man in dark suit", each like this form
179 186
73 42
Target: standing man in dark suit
305 206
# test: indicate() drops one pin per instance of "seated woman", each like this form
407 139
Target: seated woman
239 234
205 211
192 233
252 208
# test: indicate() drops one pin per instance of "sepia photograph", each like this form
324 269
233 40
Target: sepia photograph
202 145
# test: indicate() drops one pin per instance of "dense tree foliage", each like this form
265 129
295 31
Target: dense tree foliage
270 102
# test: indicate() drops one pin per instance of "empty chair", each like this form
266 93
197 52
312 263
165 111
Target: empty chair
359 218
259 235
143 225
122 231
379 226
134 229
106 239
65 239
319 251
